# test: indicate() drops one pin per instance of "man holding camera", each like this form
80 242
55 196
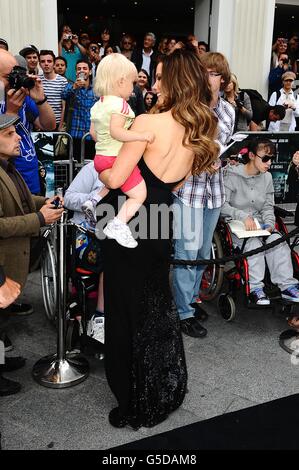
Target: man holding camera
21 217
33 110
80 98
275 81
93 54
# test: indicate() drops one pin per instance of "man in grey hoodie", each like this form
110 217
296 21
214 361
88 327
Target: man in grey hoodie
249 194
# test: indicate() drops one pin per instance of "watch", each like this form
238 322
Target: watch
39 103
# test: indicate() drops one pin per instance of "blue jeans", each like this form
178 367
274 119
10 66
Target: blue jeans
197 227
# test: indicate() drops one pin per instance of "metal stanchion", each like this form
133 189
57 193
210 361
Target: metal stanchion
61 370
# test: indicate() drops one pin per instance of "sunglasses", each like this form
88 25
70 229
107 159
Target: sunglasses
266 158
235 158
128 43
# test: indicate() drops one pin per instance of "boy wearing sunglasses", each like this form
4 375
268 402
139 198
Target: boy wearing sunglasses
249 194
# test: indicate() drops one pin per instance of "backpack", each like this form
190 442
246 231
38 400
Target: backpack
258 104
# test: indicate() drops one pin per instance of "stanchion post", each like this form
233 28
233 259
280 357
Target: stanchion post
61 370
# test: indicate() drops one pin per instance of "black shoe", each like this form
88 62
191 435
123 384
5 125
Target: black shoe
8 387
192 327
116 420
7 343
200 314
12 363
19 309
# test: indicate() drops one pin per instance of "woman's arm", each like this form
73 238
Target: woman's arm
118 131
128 157
267 211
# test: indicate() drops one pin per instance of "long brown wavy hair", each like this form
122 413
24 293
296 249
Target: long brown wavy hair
186 92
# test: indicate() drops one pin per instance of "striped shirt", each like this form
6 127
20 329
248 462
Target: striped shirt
53 90
207 190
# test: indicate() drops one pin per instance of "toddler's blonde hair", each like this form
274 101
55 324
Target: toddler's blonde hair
112 68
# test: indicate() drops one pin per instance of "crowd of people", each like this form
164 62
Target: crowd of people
158 121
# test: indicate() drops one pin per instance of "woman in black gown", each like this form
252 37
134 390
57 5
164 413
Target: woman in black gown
144 357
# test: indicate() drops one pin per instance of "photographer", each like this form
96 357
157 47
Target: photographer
93 54
25 96
241 103
80 97
275 81
70 48
286 98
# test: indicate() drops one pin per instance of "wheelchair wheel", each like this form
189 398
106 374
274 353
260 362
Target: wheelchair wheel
212 279
49 280
226 307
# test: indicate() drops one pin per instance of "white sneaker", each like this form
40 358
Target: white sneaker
95 328
89 210
120 232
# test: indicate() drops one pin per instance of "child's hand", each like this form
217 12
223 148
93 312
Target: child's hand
148 137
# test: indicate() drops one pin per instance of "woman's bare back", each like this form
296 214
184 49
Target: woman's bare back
166 157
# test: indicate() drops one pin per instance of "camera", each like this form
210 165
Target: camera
94 49
68 37
285 61
81 76
56 203
239 103
18 78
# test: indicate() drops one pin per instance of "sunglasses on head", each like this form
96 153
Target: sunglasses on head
266 158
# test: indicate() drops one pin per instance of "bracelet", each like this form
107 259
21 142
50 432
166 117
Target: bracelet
39 103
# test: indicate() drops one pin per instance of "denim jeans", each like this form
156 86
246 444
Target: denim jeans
193 234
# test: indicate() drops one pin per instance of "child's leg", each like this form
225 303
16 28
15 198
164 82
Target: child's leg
137 196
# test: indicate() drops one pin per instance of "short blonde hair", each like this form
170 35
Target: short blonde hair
112 68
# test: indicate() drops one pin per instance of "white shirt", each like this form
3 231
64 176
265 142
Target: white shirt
146 61
288 124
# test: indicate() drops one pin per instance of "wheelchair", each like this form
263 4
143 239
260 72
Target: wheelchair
237 277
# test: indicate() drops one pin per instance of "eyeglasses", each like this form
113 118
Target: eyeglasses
266 158
214 74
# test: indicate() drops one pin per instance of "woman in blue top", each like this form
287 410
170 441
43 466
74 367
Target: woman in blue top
70 48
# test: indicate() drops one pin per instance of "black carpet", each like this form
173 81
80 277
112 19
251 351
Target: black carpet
270 426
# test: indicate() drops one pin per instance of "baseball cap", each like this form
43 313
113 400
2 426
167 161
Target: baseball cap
30 49
2 41
288 75
7 120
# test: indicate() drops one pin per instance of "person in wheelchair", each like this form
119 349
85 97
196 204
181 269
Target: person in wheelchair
250 194
83 188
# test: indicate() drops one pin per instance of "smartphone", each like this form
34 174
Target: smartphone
81 76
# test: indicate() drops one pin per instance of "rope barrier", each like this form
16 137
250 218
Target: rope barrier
226 259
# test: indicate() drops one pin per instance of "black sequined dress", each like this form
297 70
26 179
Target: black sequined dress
144 353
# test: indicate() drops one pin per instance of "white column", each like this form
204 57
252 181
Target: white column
202 19
242 30
252 43
24 22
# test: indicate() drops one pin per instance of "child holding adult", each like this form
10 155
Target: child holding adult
111 118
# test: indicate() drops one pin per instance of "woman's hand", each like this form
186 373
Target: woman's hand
250 224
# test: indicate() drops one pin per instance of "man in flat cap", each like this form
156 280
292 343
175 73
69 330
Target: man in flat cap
31 54
21 216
